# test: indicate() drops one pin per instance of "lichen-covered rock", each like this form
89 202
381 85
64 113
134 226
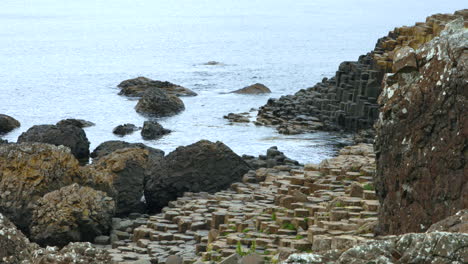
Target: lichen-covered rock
71 214
80 252
122 175
136 87
457 223
422 136
201 167
14 246
8 123
108 147
30 170
257 88
70 136
158 103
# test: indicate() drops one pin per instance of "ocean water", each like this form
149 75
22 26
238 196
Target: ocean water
63 59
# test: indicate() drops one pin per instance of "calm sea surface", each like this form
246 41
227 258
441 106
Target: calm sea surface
63 59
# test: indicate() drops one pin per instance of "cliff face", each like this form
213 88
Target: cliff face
422 134
348 100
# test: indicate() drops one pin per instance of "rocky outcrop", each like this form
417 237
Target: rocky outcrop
121 174
108 147
422 134
136 87
71 214
273 158
201 167
27 172
15 247
8 123
70 136
257 88
158 103
348 101
125 129
82 252
75 122
153 130
457 223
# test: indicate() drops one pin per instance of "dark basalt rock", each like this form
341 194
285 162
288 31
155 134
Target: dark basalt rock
124 129
257 88
158 103
75 122
422 136
136 87
153 130
67 135
201 167
8 123
108 147
273 158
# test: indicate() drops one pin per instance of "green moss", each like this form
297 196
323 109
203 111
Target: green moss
368 187
288 226
246 230
273 216
299 237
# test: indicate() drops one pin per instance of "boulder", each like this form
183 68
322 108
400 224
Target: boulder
8 123
153 130
257 88
237 118
30 170
121 175
71 214
136 87
108 147
75 122
67 135
457 223
15 247
201 167
422 135
158 103
124 129
80 252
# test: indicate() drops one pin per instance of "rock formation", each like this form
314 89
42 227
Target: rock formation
75 122
108 147
153 130
125 129
67 135
158 103
27 172
257 88
273 158
15 247
136 87
201 167
7 124
71 214
422 136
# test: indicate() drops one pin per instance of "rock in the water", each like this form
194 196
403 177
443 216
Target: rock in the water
75 122
153 130
257 88
124 129
237 118
67 135
71 214
273 158
108 147
136 87
30 170
121 174
203 166
422 136
14 246
157 102
8 123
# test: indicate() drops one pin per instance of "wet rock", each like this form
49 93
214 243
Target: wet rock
457 223
237 118
273 158
153 130
121 174
108 147
71 214
8 123
75 122
257 88
15 247
67 135
30 170
138 86
125 129
213 63
202 166
158 103
421 137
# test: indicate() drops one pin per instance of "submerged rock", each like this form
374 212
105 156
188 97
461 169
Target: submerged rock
67 135
75 122
158 103
136 87
422 137
201 167
125 129
237 118
30 170
108 147
153 130
257 88
8 123
71 214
